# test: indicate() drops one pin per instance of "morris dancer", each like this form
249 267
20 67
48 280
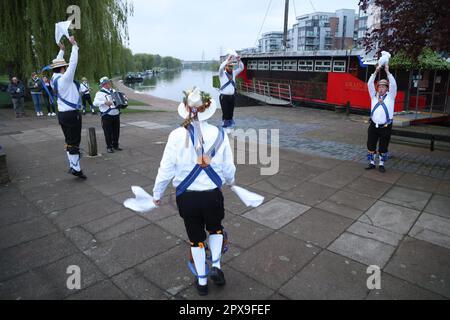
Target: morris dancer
85 91
69 105
199 159
227 78
381 118
110 115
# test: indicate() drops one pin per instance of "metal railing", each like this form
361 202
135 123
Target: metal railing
281 91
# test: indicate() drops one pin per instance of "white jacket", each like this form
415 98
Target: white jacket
228 90
178 161
67 89
379 116
101 98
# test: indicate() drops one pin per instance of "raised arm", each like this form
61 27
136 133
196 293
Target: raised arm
392 83
240 67
222 67
69 75
371 83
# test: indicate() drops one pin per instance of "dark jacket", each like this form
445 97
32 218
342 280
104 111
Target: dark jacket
16 90
31 85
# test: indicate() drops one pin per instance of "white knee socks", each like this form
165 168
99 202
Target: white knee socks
74 161
199 256
215 245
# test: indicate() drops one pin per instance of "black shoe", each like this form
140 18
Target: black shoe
110 150
78 174
217 276
202 290
381 169
370 167
118 149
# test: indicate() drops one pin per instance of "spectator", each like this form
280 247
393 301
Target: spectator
17 91
35 87
49 97
85 91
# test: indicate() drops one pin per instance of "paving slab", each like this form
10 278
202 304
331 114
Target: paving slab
126 226
328 276
238 287
419 182
128 250
407 197
317 227
175 226
390 217
396 289
431 228
276 213
372 232
439 205
273 264
105 290
276 184
108 221
363 250
33 254
50 282
137 287
390 176
245 233
422 263
368 187
310 194
337 179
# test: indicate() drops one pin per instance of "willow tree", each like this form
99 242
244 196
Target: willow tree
27 41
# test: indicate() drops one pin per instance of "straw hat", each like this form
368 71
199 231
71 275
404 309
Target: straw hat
195 102
104 80
383 82
57 63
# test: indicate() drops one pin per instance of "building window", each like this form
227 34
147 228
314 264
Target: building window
252 65
276 65
305 65
263 65
339 66
323 66
290 65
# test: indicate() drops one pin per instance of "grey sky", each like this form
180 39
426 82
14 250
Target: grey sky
186 28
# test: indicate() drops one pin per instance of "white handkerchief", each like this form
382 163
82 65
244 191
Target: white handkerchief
143 202
249 198
62 29
385 56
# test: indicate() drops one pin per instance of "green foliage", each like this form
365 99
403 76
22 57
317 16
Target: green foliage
216 82
427 60
144 61
27 36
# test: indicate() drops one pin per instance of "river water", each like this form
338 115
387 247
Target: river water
171 84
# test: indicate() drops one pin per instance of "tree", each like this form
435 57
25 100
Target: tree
410 25
27 35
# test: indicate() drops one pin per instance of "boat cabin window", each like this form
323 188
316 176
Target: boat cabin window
252 65
323 66
276 65
290 65
305 65
263 65
338 66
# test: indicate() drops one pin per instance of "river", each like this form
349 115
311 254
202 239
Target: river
171 84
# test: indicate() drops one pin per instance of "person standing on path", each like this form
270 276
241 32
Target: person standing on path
381 118
17 91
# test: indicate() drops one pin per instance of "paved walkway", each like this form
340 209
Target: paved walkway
323 222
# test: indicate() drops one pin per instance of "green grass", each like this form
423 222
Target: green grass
132 102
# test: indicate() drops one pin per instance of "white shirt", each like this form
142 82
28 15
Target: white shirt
67 89
101 98
379 116
84 88
178 161
228 90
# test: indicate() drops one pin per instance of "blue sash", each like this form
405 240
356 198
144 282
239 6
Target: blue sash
184 185
230 81
109 108
76 106
388 118
48 92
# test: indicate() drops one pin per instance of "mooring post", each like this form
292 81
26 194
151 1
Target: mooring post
347 108
92 142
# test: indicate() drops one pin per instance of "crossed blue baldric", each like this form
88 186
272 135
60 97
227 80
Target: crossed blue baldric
230 81
184 185
76 106
382 104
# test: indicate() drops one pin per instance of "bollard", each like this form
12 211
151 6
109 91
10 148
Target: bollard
92 142
347 108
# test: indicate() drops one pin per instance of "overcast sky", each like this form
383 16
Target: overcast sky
186 28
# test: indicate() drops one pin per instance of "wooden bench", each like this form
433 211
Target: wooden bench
420 135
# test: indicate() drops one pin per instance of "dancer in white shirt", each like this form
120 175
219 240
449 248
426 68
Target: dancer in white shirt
381 118
227 76
199 160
